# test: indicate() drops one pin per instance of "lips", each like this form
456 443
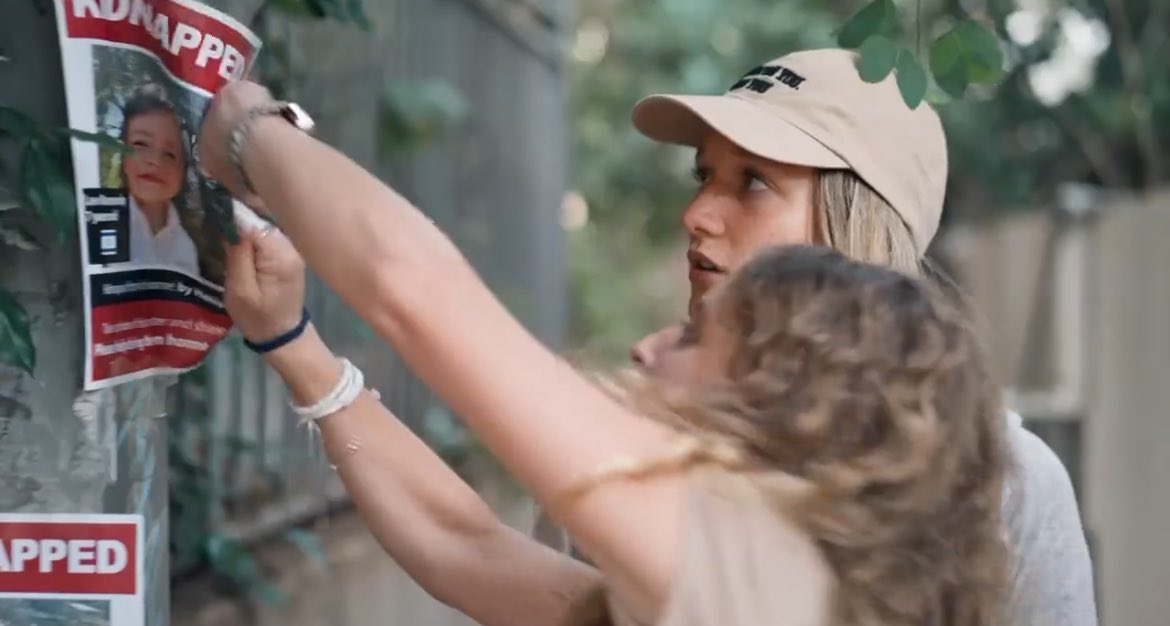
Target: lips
704 273
703 263
150 178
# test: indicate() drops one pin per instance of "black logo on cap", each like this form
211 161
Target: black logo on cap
763 77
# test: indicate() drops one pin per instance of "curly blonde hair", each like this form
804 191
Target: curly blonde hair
867 386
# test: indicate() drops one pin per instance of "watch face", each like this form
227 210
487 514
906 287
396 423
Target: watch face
298 117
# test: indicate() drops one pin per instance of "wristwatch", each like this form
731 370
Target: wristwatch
238 137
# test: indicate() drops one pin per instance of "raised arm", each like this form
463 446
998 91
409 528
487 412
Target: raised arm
545 422
425 517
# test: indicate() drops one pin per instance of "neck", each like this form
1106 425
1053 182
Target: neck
156 214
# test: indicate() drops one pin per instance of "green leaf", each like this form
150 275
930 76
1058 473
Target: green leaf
16 346
15 123
911 79
985 57
101 139
876 18
47 189
968 53
935 94
878 56
948 64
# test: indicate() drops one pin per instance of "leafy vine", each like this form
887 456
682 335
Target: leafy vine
967 54
45 192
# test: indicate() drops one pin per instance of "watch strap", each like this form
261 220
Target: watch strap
237 139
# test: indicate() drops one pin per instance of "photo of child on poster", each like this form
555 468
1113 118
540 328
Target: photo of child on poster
152 227
153 177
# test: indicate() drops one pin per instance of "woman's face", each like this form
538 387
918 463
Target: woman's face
154 171
744 203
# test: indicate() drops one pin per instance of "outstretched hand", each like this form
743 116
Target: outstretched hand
264 288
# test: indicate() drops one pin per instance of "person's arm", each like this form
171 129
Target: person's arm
425 517
406 279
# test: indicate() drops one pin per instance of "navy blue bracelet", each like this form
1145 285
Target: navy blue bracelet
280 340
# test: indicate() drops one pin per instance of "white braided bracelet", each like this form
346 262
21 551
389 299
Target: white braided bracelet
344 393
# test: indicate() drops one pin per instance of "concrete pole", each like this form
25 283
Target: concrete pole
62 451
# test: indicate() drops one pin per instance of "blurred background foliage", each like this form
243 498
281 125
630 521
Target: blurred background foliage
1084 97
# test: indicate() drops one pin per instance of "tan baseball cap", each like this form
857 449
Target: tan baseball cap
812 108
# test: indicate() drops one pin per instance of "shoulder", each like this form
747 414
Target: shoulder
1038 482
1036 465
1052 574
743 561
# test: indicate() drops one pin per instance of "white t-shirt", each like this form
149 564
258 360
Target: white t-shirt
170 246
1051 572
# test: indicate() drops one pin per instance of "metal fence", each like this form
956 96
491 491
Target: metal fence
494 183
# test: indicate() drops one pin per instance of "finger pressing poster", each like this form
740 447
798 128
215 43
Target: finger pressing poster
139 74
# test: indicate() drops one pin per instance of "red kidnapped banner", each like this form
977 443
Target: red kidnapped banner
192 45
69 557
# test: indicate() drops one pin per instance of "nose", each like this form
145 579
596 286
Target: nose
704 216
647 353
642 353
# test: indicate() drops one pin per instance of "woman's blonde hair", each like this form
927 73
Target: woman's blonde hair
866 387
849 216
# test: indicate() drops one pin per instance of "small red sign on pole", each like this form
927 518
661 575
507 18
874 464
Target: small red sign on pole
86 563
